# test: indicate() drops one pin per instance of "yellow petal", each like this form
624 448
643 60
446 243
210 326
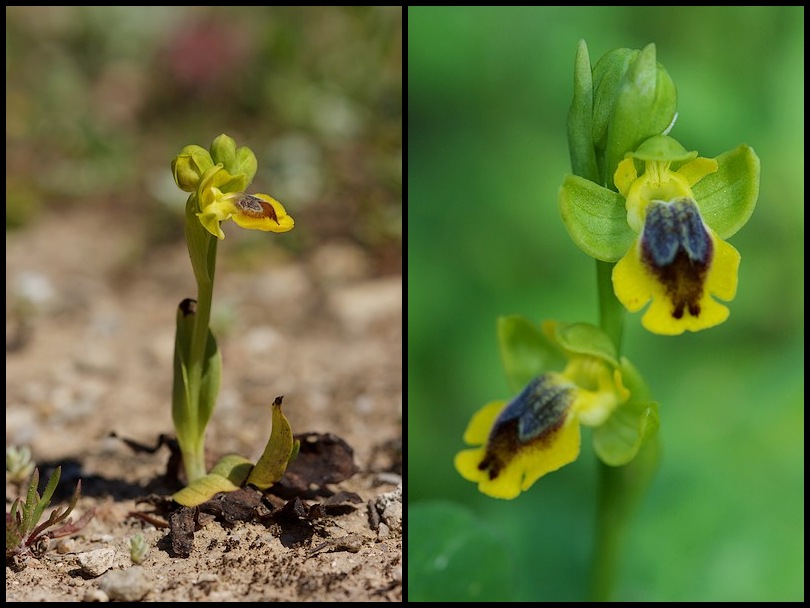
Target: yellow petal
481 423
210 221
722 280
261 212
696 170
625 175
633 286
531 462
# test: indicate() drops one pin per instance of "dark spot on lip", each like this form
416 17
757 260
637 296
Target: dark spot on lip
533 416
255 207
677 249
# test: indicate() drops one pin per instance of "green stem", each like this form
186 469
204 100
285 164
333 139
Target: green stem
611 311
619 487
612 512
194 455
620 491
611 522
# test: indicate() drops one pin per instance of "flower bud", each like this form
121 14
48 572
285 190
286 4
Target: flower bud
235 161
634 99
189 165
223 150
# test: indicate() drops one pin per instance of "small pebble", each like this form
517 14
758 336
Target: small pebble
95 595
97 562
389 508
130 585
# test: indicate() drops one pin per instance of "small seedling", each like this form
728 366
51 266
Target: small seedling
19 465
138 548
23 536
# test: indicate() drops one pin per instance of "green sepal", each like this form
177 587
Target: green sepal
228 475
662 148
596 219
526 351
240 161
585 339
580 118
246 164
645 105
223 150
727 197
277 453
222 179
631 425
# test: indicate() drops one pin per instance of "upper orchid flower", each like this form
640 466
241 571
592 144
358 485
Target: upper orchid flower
665 228
217 181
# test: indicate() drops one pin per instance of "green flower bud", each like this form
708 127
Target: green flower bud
608 74
235 161
246 163
223 150
633 99
189 165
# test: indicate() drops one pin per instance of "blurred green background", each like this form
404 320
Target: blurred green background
100 99
488 96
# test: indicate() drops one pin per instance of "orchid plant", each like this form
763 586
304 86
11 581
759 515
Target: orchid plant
216 180
655 217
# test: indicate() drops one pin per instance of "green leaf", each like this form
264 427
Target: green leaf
32 502
454 557
277 453
525 351
596 219
190 424
182 415
45 500
210 381
727 197
227 475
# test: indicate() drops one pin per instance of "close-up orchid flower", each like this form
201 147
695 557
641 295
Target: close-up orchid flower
666 228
